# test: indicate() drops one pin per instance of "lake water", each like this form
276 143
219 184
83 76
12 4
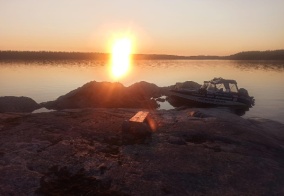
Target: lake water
47 80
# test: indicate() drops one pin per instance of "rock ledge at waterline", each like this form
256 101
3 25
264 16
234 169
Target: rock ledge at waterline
113 95
108 95
96 95
193 152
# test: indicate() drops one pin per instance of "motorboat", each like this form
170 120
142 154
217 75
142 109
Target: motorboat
218 91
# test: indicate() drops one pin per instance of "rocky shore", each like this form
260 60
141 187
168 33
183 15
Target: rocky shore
17 104
96 95
193 152
87 148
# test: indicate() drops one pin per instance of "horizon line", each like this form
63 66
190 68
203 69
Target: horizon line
58 51
60 55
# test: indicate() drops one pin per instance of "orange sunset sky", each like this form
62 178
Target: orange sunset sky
181 27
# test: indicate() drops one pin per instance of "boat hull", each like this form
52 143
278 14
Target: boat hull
196 98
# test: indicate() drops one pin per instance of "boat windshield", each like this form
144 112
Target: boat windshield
220 87
233 87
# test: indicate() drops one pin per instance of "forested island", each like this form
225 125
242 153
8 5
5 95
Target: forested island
51 55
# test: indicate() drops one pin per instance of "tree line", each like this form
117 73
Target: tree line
258 55
50 55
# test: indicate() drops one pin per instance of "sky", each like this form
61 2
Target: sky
180 27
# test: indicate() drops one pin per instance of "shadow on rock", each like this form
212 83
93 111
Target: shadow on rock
135 133
60 181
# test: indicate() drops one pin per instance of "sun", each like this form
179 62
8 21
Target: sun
120 62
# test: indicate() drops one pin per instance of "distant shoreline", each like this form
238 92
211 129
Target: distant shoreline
49 55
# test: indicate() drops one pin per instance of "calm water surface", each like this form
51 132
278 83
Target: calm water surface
45 81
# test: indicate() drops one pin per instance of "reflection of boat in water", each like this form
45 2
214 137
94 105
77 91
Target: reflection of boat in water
218 91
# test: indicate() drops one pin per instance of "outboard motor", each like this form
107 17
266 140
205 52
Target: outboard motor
243 92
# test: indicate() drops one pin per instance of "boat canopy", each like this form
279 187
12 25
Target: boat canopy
220 85
221 80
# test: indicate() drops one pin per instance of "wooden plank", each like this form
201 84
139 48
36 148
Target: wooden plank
139 117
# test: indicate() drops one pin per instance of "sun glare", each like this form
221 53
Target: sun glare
121 51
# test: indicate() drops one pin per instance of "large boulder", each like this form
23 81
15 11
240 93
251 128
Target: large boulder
188 84
17 104
145 89
107 95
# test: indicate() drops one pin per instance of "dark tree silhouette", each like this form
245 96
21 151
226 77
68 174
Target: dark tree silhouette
49 55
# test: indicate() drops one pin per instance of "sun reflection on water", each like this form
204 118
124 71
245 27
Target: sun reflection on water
120 61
